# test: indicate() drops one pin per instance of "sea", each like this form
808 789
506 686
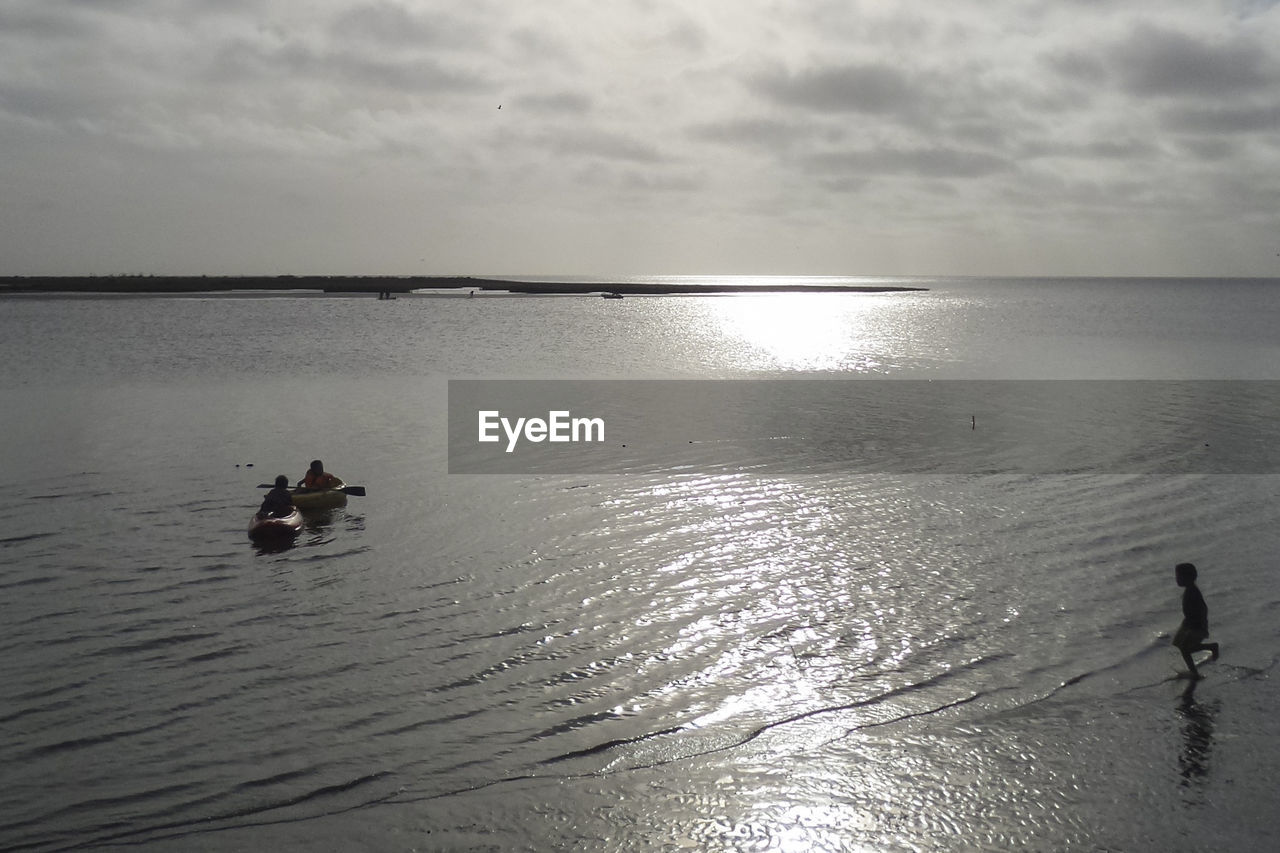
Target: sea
743 641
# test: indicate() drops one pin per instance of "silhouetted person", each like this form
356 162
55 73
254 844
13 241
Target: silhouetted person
1194 629
278 503
317 478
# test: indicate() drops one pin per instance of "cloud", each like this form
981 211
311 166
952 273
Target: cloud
296 63
878 89
931 162
558 103
1257 117
20 22
1155 61
766 134
796 120
1078 67
584 142
386 25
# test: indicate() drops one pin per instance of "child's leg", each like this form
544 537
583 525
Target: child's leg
1191 665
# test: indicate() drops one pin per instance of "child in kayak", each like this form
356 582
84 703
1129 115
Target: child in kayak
278 503
317 478
1194 629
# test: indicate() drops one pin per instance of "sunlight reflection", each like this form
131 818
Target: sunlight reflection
807 828
808 331
788 618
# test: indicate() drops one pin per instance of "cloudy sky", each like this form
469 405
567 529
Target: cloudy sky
598 137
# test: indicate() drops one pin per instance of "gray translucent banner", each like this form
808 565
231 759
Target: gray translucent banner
865 426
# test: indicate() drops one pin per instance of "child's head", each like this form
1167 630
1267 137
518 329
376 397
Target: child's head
1185 573
282 482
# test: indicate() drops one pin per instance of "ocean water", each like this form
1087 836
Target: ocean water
762 651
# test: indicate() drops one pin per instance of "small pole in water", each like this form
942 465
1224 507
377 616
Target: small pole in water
973 421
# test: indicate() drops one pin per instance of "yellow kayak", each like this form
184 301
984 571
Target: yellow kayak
319 498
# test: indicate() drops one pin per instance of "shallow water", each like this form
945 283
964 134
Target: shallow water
714 656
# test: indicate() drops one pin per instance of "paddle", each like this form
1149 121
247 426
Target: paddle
357 491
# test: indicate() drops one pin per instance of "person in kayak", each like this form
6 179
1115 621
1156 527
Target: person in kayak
1194 629
317 478
278 503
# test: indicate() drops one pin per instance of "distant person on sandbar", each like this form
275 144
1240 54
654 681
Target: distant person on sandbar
1194 629
278 503
317 478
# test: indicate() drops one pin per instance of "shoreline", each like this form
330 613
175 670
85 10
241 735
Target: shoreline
402 285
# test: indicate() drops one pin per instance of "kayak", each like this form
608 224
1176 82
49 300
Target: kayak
319 498
269 527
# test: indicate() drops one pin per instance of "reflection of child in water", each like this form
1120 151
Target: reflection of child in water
1194 629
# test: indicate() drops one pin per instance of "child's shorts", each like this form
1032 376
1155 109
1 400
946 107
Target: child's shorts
1189 637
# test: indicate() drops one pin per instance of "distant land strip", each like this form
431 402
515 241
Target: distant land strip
402 284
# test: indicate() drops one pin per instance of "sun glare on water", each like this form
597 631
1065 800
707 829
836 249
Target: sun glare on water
805 331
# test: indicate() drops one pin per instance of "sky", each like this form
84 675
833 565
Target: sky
640 137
